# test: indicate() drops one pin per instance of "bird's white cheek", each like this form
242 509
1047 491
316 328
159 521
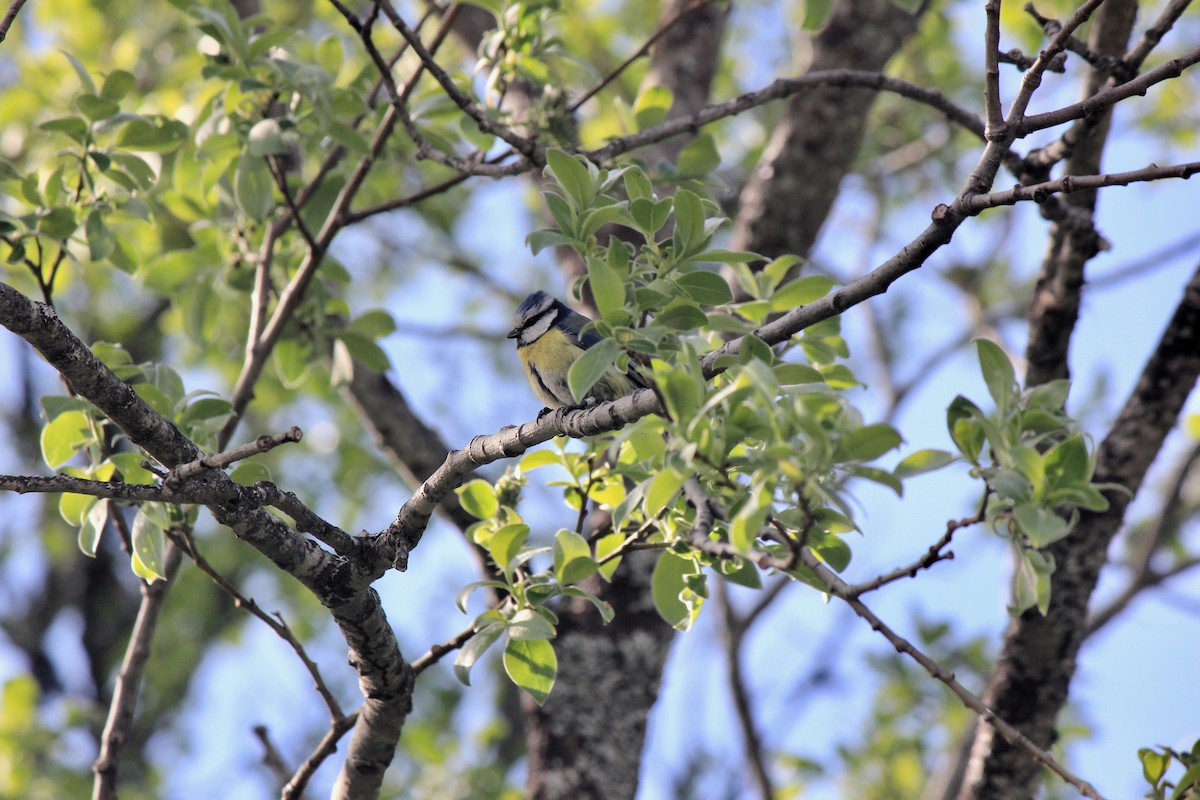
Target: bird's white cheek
537 330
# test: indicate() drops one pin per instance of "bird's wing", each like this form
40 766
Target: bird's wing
574 323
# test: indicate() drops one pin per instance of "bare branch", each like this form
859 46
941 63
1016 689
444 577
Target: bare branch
10 16
1108 97
785 87
436 652
294 788
129 680
840 589
616 72
272 758
1076 183
1154 34
262 444
991 89
185 543
932 556
521 144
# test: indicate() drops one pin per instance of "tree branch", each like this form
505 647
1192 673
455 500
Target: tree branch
1077 183
840 589
117 729
10 16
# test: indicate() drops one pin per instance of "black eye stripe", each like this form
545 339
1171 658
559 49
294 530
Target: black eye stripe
534 320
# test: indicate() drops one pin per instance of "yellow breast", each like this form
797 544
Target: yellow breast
547 362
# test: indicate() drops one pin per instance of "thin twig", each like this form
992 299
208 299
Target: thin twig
10 16
436 652
486 124
1077 183
118 727
735 632
837 587
933 555
272 758
262 444
184 542
294 788
663 30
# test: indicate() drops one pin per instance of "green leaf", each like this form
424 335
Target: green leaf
131 469
962 420
606 611
815 13
541 239
794 374
57 223
74 127
1154 765
475 647
997 374
99 238
92 528
651 106
248 473
506 543
871 441
253 188
117 84
705 287
374 324
1067 462
293 361
591 366
142 172
572 557
1042 526
674 601
531 665
831 549
572 176
662 490
73 508
155 136
637 186
1031 582
923 461
64 436
85 77
478 499
149 546
801 292
679 388
348 137
740 571
96 108
266 138
1187 783
699 158
682 315
527 625
365 350
689 221
607 287
748 521
540 458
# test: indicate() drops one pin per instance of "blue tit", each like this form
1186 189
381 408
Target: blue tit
549 339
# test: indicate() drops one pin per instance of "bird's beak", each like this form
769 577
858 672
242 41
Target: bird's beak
514 333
